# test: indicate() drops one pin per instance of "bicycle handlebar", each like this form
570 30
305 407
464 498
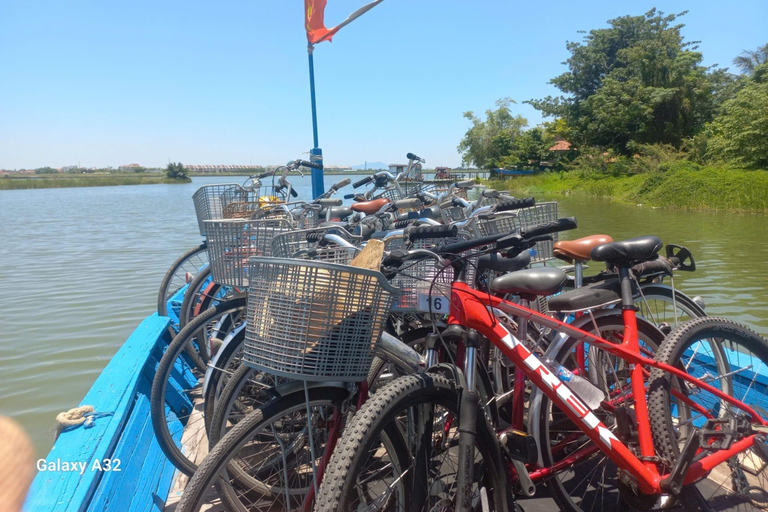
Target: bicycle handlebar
306 163
363 181
442 231
515 204
550 227
343 183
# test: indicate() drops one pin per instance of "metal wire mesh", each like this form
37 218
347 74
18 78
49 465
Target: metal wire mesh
539 214
273 212
453 213
495 223
303 243
231 242
416 278
208 201
312 320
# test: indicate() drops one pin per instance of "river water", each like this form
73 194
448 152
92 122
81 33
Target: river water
80 268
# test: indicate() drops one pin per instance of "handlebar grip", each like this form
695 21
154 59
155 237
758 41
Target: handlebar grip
411 156
466 245
294 193
422 232
465 184
515 204
266 174
490 193
548 228
363 181
311 165
343 183
349 196
405 204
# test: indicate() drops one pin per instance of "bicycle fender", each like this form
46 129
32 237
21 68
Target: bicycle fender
215 360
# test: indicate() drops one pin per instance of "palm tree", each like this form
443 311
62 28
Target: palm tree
749 60
176 171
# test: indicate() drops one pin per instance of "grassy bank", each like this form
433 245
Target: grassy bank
686 187
17 183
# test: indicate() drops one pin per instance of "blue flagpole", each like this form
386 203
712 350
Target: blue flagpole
316 154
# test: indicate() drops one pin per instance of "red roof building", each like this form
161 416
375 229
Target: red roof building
561 145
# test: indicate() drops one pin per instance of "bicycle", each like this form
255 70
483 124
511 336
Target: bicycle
645 475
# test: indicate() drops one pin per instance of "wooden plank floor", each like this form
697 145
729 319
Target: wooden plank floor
194 441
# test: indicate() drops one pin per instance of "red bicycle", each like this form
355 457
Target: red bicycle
665 422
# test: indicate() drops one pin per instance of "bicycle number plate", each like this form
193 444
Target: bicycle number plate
438 303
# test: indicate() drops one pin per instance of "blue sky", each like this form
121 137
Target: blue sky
110 83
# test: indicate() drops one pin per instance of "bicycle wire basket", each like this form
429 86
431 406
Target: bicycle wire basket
421 282
453 213
539 214
231 242
314 321
306 244
208 201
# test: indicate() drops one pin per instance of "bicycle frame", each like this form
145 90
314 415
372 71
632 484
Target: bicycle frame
474 310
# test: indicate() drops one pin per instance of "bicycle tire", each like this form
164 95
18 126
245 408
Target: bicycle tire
543 414
177 354
171 279
376 417
221 456
688 308
198 296
725 339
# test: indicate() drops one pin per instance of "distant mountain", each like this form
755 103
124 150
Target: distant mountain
371 165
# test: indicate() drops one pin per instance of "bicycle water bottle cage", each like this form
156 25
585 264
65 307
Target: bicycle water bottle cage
687 263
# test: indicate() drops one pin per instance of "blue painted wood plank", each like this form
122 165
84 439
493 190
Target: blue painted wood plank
115 490
113 391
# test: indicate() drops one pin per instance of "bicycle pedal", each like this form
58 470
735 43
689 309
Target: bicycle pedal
520 446
721 434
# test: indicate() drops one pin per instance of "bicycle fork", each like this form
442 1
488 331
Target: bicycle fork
469 409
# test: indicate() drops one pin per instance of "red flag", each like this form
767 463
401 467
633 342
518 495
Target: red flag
314 12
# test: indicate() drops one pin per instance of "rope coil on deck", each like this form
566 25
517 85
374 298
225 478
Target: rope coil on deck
83 415
73 417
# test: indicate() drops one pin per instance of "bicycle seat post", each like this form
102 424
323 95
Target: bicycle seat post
578 273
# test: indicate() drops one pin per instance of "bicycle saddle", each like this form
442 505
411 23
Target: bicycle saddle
370 207
580 249
499 263
339 212
532 281
642 248
586 297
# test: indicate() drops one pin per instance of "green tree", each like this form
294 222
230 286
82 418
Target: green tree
46 170
487 143
528 149
749 60
739 135
634 81
176 171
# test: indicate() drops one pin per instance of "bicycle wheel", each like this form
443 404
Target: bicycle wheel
591 482
175 404
180 273
201 295
666 307
400 452
270 449
733 359
246 390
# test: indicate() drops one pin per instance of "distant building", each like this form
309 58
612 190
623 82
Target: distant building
561 146
130 167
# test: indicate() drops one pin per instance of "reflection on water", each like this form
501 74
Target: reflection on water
80 268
